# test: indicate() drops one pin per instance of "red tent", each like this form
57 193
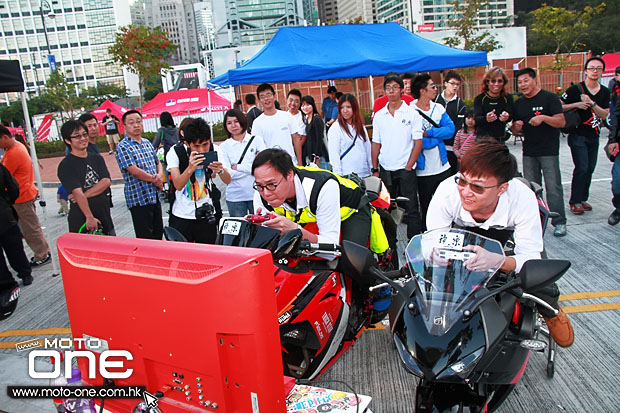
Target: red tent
612 60
117 111
184 102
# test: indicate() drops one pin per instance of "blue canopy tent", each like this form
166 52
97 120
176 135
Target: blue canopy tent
345 51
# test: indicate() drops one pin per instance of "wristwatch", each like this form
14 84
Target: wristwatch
374 170
221 172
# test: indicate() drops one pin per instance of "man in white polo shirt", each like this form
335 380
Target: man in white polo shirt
277 128
396 145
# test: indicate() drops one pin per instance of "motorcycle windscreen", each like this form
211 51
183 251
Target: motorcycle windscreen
449 265
238 232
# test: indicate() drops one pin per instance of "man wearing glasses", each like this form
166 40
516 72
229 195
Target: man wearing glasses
301 196
591 100
396 146
485 199
143 174
277 127
85 176
455 108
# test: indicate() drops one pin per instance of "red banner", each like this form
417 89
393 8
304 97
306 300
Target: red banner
426 27
44 129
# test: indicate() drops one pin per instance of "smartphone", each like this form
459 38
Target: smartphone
209 157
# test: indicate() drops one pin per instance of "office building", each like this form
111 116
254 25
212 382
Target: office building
349 10
76 33
328 11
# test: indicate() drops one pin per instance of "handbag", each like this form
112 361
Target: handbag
573 120
610 156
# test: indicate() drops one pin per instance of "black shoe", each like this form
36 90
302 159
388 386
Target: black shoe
34 262
27 280
614 218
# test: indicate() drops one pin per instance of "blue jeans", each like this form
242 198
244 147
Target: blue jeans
615 183
240 208
585 153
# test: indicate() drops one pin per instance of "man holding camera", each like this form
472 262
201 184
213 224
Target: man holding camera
192 166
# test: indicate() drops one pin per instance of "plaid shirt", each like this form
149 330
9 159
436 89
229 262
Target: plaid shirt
129 152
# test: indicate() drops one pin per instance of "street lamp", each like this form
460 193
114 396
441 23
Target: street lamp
51 15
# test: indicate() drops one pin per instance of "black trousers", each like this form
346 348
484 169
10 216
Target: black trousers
195 230
147 221
356 228
12 245
404 183
427 185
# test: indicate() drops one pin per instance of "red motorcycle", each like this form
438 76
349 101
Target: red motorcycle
323 306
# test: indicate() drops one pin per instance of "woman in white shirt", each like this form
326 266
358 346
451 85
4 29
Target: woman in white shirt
347 140
240 149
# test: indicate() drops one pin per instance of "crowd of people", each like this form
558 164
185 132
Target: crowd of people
304 165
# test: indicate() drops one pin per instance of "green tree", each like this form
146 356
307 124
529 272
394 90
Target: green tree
566 29
143 51
59 90
465 23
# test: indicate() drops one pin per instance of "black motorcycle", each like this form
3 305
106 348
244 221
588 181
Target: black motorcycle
460 325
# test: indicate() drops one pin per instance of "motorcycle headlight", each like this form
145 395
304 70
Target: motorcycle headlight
463 367
410 364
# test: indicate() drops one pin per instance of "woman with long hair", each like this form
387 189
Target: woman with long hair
167 135
493 108
314 149
349 145
240 149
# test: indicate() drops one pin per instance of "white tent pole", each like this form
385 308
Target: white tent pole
209 110
37 177
372 92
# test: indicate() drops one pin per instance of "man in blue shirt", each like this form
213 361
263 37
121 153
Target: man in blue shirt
143 174
329 104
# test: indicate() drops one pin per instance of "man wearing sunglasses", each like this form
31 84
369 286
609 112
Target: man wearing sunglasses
485 199
307 196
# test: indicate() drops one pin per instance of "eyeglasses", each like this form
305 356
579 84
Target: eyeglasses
457 84
475 188
496 81
269 187
431 86
595 68
265 95
392 88
80 136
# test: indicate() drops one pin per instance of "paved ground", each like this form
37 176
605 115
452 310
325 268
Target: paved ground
586 374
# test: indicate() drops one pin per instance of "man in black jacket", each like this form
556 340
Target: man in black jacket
455 108
10 234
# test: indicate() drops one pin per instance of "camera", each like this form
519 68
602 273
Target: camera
206 211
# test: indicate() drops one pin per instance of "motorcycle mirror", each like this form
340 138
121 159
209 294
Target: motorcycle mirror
172 234
538 273
356 261
288 243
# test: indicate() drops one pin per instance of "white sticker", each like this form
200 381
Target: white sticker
254 398
451 240
231 228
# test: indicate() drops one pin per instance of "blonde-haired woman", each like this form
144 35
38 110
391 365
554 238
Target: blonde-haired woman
493 108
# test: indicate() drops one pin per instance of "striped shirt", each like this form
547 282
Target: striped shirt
463 141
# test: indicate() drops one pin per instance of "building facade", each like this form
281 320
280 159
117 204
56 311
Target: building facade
328 11
436 14
254 22
176 18
352 9
77 33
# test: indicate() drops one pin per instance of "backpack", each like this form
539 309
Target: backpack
10 188
573 120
